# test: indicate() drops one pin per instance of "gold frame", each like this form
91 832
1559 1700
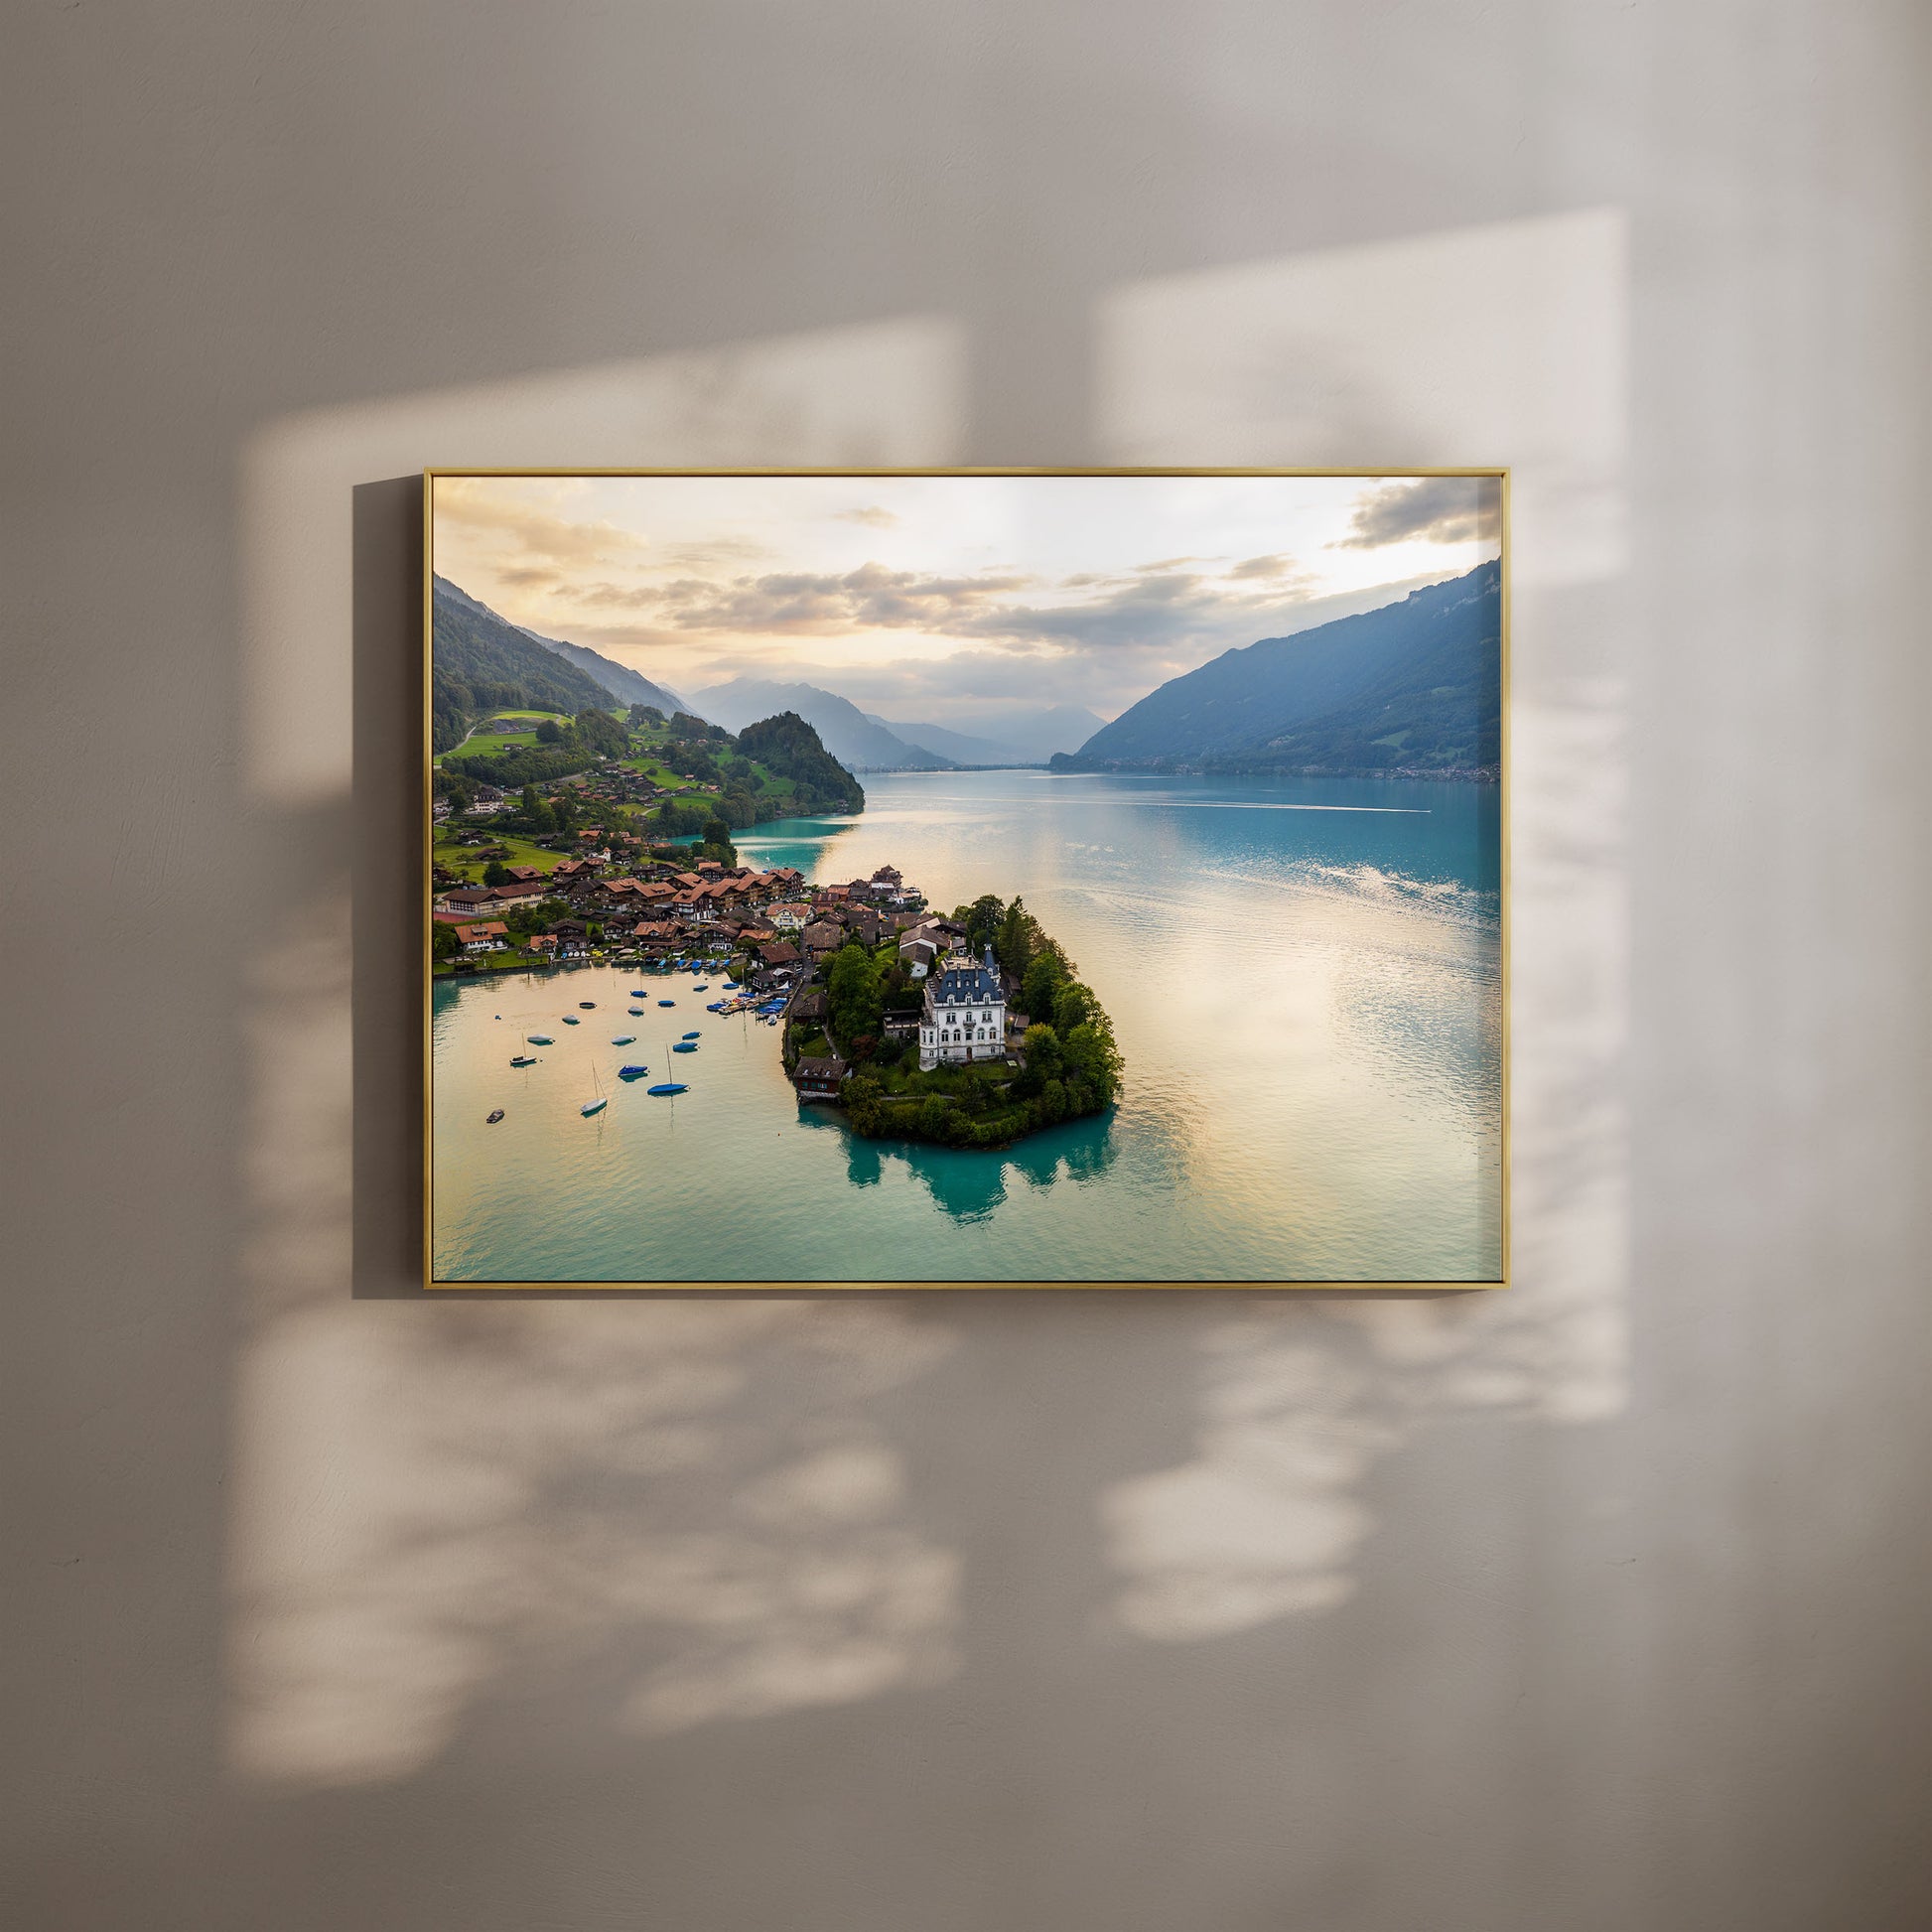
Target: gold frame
430 474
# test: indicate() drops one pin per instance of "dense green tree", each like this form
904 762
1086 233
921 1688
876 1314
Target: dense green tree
598 732
1092 1057
1042 1048
714 831
1014 946
1044 972
1072 1001
549 731
854 994
644 716
496 873
443 942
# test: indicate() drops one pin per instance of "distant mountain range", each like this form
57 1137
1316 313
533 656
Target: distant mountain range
1415 685
622 683
480 662
856 741
1025 737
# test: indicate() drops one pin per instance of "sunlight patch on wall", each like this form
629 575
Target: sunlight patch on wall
875 395
441 1503
1497 345
1502 344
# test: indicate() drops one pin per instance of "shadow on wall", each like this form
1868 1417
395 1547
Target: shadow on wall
971 1537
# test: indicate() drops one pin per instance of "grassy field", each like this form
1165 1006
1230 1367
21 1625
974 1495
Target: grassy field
906 1081
476 746
462 859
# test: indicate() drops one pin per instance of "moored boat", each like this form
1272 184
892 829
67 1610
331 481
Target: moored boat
494 1118
668 1086
623 1039
538 1039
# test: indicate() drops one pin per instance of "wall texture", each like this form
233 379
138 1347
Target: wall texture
1597 1606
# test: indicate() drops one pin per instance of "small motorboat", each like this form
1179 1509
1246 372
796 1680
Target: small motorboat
494 1118
571 1020
587 1003
538 1039
701 987
590 1107
694 1033
524 1059
668 1087
684 1046
667 1003
632 1072
637 1013
639 993
623 1039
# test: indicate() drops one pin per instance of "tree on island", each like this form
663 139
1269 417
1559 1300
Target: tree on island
854 994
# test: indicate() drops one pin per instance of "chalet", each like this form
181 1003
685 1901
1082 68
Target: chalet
778 952
965 1011
465 899
811 1004
525 875
486 799
818 1078
517 893
821 939
541 943
788 915
916 956
486 935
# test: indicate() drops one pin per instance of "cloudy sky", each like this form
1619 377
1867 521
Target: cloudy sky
946 599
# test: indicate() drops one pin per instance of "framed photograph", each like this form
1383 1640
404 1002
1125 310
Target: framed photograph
966 879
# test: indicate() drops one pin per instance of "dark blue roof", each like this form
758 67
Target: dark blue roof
967 985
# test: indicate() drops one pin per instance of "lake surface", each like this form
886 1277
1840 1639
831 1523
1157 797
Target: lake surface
1304 976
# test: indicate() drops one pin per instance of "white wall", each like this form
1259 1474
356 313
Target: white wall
1602 1605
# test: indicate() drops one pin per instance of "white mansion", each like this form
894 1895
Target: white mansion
965 1017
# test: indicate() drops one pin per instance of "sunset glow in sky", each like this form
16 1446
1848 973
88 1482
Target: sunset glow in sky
932 597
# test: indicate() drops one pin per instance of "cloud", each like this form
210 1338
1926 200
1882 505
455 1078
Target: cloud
873 516
535 532
1433 510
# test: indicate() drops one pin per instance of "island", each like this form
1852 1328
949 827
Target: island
971 1030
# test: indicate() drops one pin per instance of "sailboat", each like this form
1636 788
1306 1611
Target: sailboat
602 1099
668 1089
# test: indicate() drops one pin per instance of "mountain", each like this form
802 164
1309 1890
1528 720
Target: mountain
1058 728
478 663
789 747
848 734
1015 738
622 683
959 747
1414 685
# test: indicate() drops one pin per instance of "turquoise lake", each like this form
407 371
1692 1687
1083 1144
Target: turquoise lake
1303 976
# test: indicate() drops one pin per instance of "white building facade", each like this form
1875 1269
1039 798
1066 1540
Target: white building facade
965 1017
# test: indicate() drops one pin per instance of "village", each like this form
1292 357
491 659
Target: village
910 1019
